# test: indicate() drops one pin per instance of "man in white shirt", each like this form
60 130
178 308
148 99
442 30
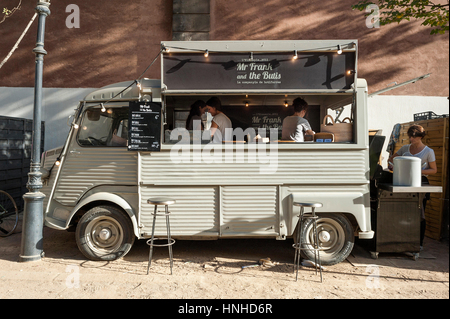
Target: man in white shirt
221 129
296 126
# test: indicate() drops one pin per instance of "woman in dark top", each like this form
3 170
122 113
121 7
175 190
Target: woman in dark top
197 109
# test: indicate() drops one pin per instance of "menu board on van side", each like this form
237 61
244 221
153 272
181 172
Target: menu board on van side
144 126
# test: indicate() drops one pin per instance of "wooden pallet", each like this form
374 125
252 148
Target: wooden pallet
437 139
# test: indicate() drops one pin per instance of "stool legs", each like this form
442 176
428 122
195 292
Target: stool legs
298 243
153 238
170 242
169 239
315 245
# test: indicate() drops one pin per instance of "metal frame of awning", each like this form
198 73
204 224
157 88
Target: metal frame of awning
399 85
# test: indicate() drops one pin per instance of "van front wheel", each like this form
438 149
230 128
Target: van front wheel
104 233
336 238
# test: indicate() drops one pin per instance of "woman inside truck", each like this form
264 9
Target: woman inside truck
194 119
221 128
295 127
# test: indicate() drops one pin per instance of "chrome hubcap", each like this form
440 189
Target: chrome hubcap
324 236
105 234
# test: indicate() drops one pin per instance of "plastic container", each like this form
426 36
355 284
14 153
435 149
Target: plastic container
407 171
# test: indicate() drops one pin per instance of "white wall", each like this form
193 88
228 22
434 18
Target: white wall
387 110
57 106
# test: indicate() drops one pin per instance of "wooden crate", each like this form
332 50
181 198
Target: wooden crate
15 155
437 139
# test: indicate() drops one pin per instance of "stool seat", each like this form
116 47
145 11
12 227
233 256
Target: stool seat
307 204
161 201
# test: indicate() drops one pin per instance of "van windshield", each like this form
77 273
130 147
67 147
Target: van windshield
104 128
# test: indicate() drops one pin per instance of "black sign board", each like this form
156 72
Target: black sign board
145 126
266 120
239 71
266 117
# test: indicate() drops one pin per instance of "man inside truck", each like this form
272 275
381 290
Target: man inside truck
221 128
295 127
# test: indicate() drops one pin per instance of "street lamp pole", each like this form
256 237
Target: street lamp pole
33 215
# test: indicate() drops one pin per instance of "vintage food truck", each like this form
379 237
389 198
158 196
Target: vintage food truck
128 143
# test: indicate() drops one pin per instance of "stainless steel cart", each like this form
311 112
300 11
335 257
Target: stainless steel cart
396 216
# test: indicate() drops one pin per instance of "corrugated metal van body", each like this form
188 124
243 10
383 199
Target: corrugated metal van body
194 214
239 196
301 166
84 169
213 211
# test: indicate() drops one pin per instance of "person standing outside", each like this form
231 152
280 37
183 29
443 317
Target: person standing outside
416 148
221 128
295 127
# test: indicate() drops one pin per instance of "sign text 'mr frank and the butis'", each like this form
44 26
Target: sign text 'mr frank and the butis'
260 71
239 71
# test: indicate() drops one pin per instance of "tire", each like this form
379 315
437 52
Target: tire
104 233
337 239
9 215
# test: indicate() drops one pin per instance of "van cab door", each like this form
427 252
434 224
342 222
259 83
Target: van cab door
97 155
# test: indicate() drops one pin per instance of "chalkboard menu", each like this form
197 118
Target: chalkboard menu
145 126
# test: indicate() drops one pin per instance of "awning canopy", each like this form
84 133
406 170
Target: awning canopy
259 66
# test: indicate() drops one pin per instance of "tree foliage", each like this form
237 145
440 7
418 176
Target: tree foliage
8 13
433 15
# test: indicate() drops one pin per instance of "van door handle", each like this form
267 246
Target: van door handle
74 152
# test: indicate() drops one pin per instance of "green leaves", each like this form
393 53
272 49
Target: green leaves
6 11
433 15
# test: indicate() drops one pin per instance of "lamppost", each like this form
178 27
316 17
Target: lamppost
33 215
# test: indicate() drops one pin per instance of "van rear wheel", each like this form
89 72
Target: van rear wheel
104 233
336 238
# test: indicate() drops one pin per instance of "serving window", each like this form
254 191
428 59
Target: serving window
257 118
254 80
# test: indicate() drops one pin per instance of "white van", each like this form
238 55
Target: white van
128 143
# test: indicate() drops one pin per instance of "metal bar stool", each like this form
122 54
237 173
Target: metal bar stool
170 241
298 241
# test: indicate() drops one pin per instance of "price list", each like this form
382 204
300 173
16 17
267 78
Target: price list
145 126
